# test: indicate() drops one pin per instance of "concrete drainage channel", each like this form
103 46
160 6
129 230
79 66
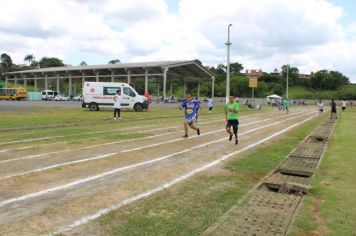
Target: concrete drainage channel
271 206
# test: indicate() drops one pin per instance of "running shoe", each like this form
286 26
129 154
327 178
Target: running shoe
236 141
198 131
185 136
230 137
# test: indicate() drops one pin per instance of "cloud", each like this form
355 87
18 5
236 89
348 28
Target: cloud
265 34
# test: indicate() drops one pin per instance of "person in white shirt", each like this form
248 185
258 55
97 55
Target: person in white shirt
210 104
117 105
343 105
321 107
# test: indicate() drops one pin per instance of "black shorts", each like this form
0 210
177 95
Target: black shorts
233 123
333 110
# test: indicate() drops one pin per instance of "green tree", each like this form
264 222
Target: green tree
5 62
236 68
83 63
276 88
268 78
29 58
293 73
46 62
115 61
239 86
198 61
330 80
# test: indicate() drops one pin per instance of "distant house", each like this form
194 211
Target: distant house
253 73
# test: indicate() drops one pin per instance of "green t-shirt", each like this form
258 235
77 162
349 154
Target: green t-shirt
232 106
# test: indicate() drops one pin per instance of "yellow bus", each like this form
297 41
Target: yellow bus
13 93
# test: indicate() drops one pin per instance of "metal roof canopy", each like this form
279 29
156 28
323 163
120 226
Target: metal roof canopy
144 69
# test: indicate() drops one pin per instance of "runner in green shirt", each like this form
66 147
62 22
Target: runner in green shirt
232 118
287 106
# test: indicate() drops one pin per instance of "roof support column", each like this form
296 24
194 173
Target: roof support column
25 83
146 81
112 76
212 87
184 89
35 82
165 82
15 81
97 76
128 77
198 89
70 85
6 80
83 79
57 82
46 82
171 90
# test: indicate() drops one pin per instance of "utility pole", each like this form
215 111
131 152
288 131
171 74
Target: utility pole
287 82
228 44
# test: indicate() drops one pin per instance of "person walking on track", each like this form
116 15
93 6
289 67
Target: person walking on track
210 104
232 118
321 107
117 105
191 109
333 109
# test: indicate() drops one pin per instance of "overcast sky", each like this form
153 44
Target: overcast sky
308 34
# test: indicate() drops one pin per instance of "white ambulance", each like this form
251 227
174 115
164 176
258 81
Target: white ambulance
97 94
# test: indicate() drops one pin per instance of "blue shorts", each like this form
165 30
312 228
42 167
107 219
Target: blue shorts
190 119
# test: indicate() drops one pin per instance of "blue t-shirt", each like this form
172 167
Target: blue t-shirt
190 108
199 103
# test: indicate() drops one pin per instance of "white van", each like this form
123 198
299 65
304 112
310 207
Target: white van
97 94
49 95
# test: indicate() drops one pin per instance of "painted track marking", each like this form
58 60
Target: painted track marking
92 178
175 181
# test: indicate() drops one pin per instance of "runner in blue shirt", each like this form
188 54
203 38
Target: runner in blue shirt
199 107
191 109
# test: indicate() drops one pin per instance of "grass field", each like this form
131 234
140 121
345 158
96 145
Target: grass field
67 116
187 208
190 208
330 207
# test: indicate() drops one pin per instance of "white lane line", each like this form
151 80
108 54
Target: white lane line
83 148
102 156
63 136
30 147
78 134
88 218
95 177
180 139
29 140
100 131
111 143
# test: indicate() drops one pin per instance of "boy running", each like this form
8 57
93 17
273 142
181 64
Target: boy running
232 118
191 109
286 104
